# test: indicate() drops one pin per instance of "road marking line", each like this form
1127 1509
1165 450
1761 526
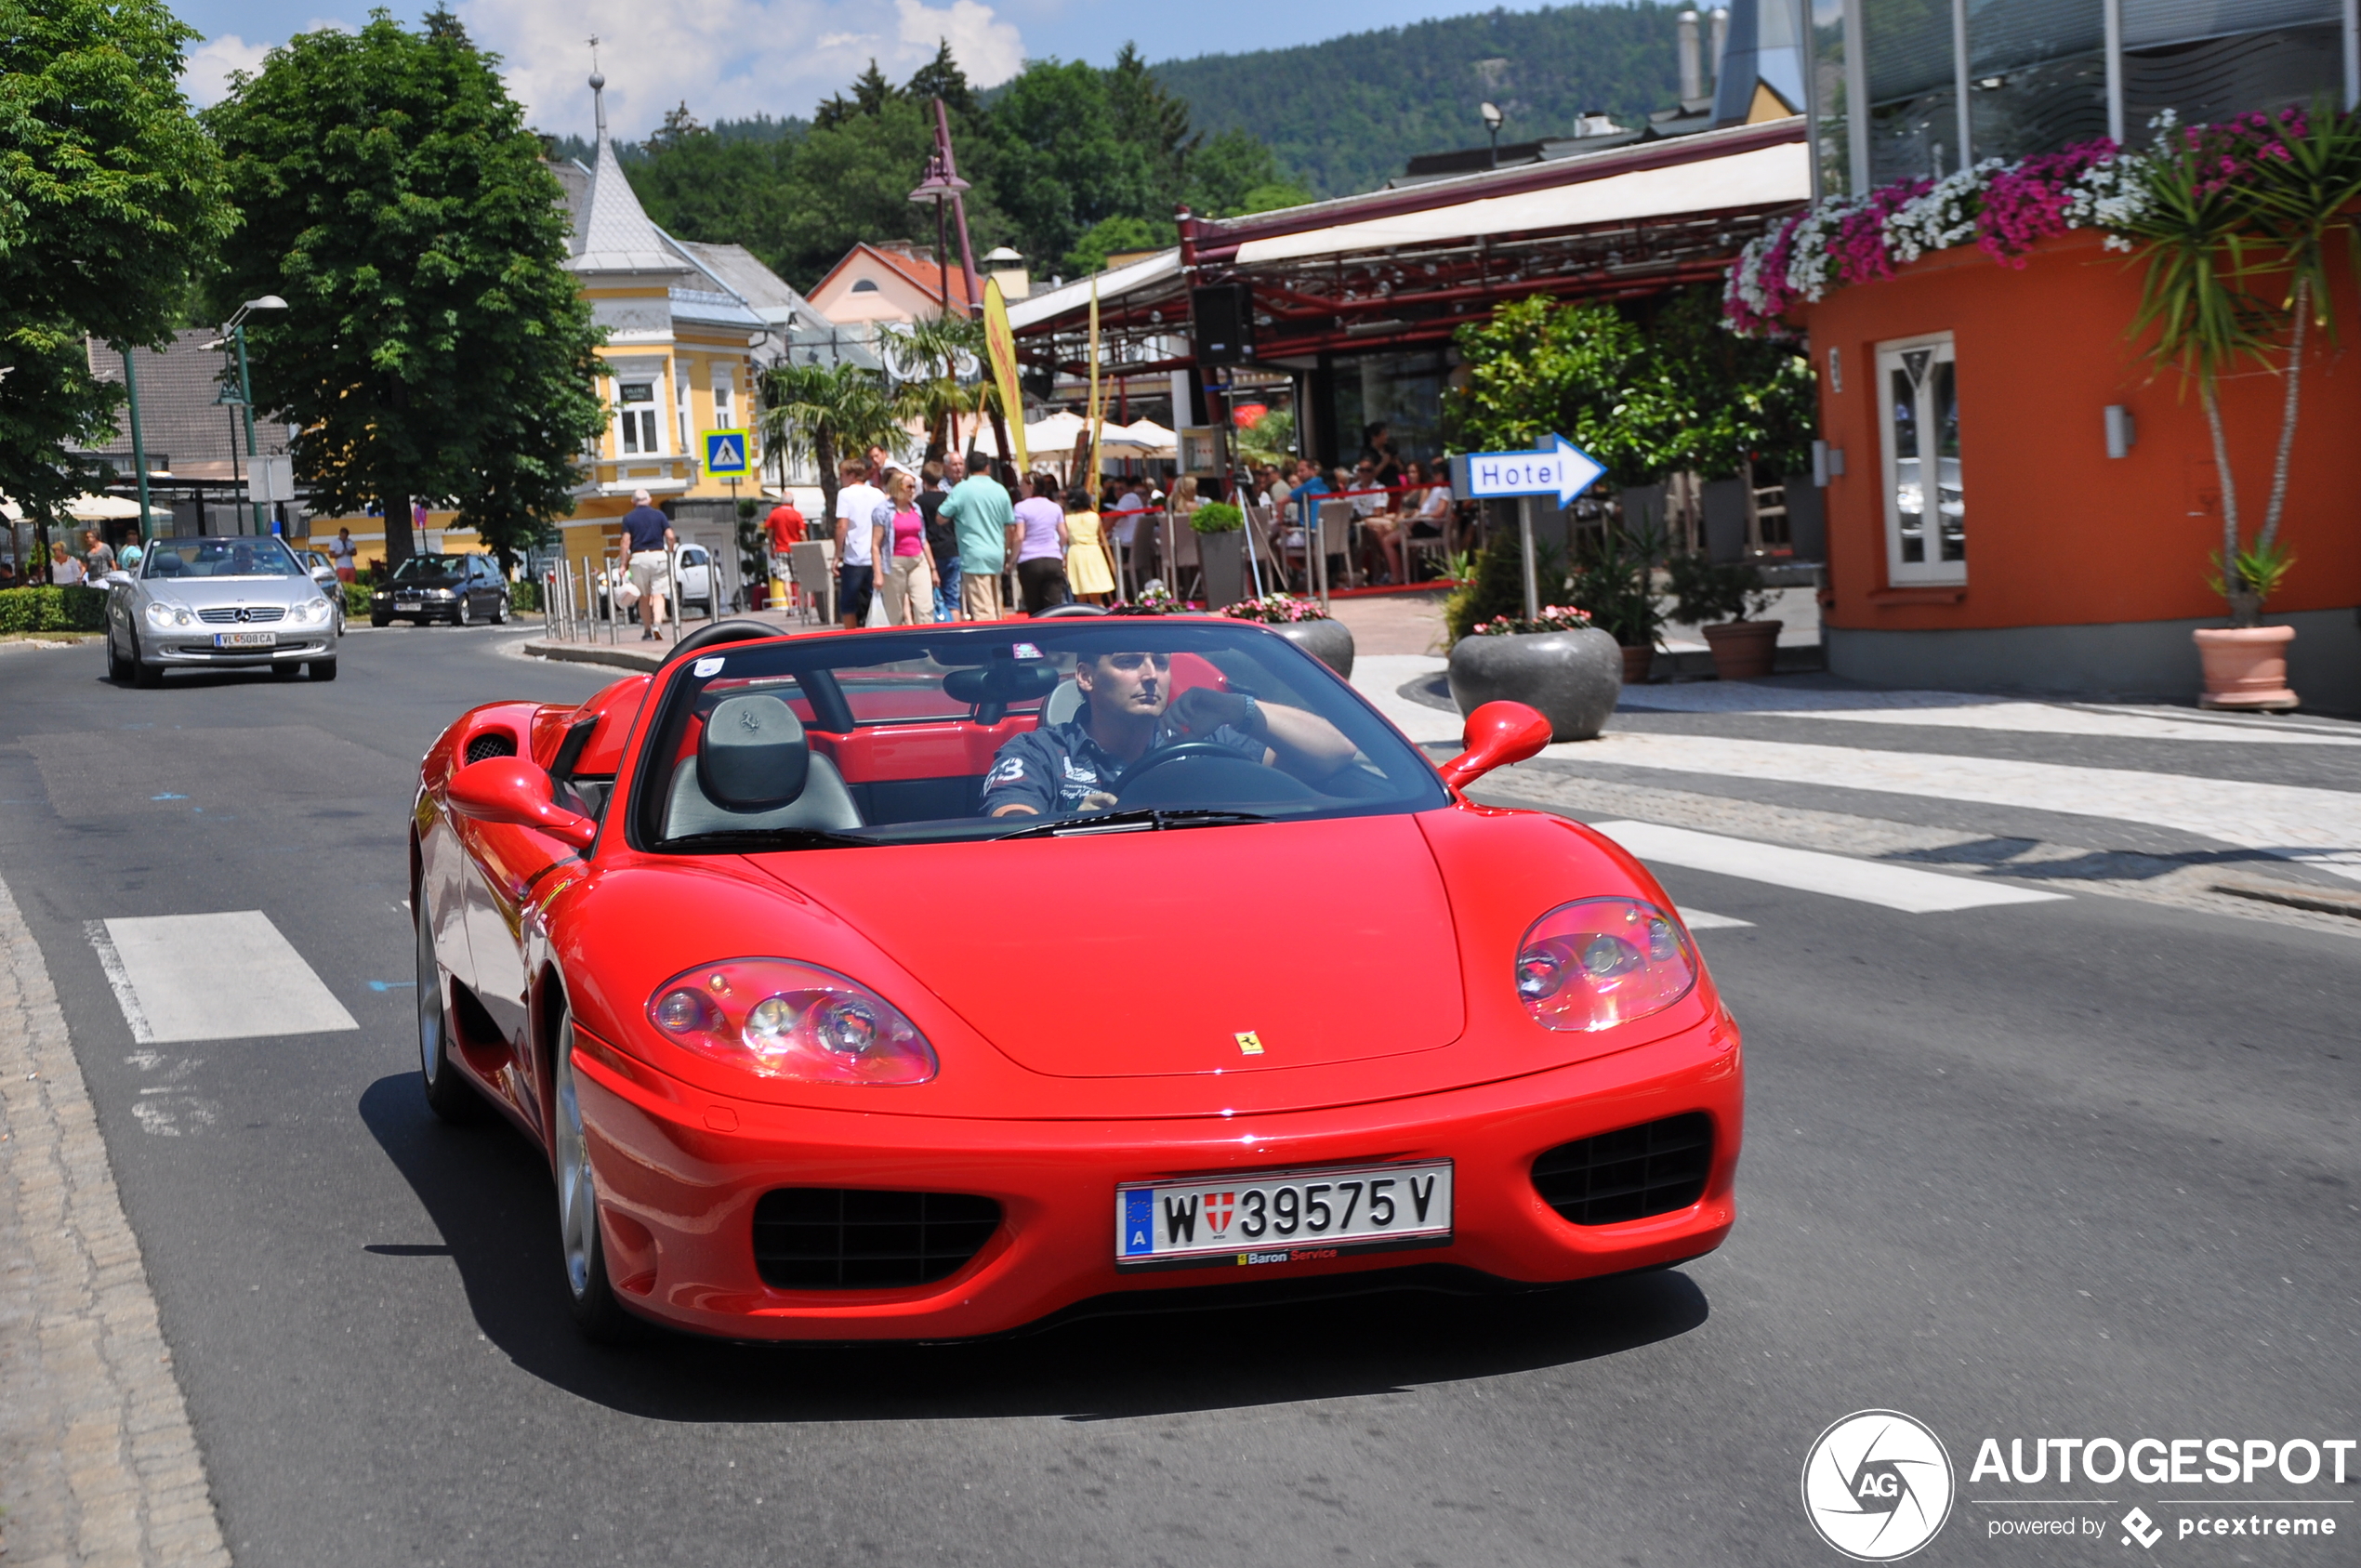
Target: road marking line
212 976
1706 920
1894 887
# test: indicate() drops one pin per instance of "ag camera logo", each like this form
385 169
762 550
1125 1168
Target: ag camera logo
1877 1485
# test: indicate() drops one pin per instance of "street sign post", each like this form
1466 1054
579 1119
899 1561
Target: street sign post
727 453
1558 467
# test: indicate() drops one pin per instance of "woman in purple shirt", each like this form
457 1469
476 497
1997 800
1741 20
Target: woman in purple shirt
1041 549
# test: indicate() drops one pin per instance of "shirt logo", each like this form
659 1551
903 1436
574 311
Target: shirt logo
1007 770
1078 773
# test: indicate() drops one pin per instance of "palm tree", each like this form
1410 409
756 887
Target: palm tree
818 413
941 362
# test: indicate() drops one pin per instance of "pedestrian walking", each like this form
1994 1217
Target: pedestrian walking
783 530
901 542
978 509
97 556
1087 571
943 542
1041 546
64 571
647 536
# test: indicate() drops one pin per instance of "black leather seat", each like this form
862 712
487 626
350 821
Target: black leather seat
754 771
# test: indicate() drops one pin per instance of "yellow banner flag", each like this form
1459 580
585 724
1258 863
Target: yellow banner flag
1000 344
1090 412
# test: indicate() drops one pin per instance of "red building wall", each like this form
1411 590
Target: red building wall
2057 533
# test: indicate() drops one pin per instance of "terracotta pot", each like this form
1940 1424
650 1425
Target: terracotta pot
1329 641
1572 678
1637 663
2245 667
1743 650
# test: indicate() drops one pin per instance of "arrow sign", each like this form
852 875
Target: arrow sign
1558 469
725 453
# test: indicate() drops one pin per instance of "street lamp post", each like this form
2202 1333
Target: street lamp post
236 333
1492 118
939 186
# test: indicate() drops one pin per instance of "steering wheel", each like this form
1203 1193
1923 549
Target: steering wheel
1179 753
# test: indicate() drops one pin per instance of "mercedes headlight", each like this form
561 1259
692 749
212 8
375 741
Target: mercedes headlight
779 1018
1596 963
164 617
311 612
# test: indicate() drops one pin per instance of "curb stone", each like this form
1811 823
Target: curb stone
99 1464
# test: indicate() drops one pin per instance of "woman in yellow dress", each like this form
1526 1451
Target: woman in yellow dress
1089 574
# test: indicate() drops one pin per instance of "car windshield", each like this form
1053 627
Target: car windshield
1035 730
431 566
220 558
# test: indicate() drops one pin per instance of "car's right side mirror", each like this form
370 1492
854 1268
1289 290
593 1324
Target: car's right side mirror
510 790
1496 735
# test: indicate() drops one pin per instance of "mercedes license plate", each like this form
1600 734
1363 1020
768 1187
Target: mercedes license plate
1282 1217
245 639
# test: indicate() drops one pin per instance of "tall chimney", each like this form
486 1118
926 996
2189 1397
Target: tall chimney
1720 40
1691 66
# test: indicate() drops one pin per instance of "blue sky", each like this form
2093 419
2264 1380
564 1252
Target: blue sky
735 57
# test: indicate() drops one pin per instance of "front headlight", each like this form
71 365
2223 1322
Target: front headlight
438 593
311 612
1600 962
779 1018
164 617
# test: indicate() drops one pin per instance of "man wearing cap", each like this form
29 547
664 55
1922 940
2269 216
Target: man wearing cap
647 534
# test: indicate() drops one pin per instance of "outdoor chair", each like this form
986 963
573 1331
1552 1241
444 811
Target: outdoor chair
814 564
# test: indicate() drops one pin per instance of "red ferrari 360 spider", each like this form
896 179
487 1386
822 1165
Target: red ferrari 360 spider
929 982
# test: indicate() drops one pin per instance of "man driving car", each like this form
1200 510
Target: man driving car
1128 711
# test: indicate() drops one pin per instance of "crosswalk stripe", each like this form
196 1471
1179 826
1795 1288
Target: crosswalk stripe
212 976
1894 887
1706 920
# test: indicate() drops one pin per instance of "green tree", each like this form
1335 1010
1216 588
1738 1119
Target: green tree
819 413
110 194
940 360
435 345
1235 174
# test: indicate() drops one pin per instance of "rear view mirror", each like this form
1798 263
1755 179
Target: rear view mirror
1497 734
510 790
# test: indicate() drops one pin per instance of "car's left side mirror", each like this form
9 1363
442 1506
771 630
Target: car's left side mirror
117 579
1497 734
510 790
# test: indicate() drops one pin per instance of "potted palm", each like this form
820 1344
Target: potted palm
1220 530
1557 662
1723 600
2236 233
1614 580
1303 623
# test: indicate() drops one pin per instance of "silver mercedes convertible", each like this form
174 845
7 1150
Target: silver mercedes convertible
234 604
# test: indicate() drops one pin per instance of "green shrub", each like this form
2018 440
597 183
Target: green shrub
525 596
356 601
40 610
1216 517
1705 592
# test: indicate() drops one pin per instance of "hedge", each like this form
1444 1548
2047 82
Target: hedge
38 610
356 601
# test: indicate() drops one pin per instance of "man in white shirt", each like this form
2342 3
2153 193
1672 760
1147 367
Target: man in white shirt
857 504
1123 524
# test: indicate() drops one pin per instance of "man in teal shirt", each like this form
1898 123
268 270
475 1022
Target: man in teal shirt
979 513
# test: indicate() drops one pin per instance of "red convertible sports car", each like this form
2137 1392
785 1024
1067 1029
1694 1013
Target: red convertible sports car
932 982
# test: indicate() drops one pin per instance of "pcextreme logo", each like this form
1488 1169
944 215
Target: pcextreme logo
1877 1485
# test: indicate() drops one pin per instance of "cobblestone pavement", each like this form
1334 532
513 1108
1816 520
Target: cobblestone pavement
97 1463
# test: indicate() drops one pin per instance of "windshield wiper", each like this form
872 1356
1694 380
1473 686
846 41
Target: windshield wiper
1149 818
730 840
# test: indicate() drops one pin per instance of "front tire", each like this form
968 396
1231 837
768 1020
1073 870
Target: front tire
449 1094
284 671
465 615
500 610
597 1315
323 669
145 676
118 670
377 620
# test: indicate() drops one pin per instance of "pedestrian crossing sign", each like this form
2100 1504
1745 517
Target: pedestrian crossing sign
726 453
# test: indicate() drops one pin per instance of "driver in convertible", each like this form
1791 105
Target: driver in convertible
1128 711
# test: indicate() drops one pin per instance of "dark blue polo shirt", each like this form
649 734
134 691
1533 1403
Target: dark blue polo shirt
1051 769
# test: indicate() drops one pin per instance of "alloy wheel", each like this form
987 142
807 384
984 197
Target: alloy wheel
577 1193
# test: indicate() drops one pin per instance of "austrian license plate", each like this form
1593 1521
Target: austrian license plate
409 605
245 639
1282 1217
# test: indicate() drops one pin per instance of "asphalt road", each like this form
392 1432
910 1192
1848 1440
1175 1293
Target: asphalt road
2082 1168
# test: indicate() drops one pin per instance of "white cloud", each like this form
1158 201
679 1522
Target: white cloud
725 59
206 74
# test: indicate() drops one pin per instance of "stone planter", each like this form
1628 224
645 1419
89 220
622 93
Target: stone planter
1221 557
1637 663
1743 650
1329 641
1572 678
2246 667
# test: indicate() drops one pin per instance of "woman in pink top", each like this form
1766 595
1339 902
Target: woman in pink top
901 540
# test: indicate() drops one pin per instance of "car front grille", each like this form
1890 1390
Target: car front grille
255 614
850 1238
1655 1167
490 743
